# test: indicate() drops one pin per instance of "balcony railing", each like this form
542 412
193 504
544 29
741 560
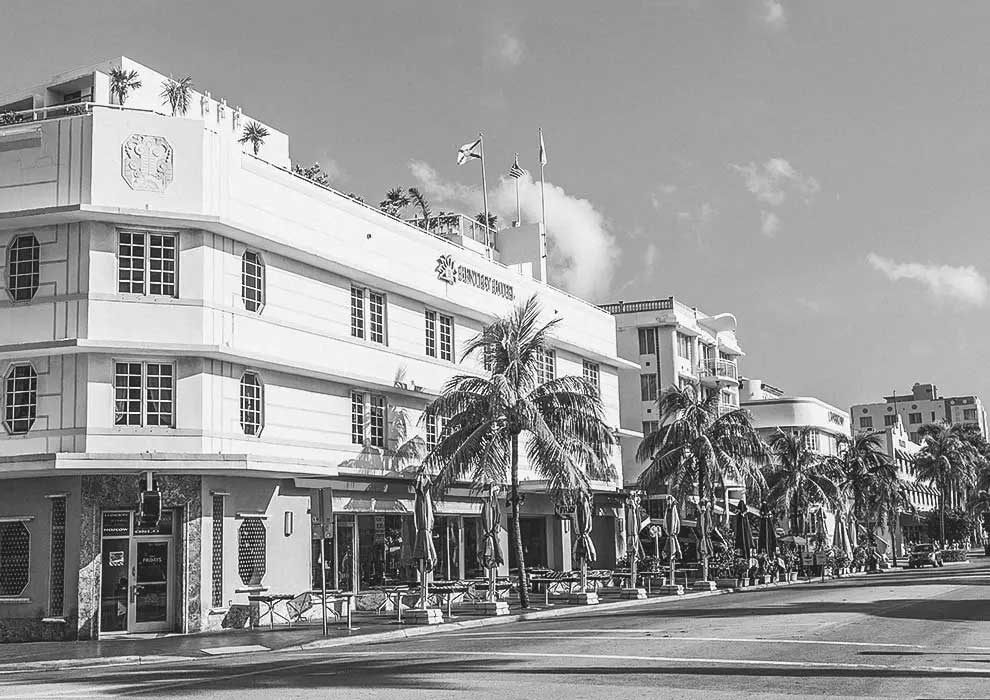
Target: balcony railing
45 113
725 407
720 369
630 307
458 225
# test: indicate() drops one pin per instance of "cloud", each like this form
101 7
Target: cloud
772 182
507 50
964 284
583 251
772 14
769 224
650 256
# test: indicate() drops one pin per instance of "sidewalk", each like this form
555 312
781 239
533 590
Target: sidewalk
368 628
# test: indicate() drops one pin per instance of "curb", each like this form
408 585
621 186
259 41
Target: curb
408 632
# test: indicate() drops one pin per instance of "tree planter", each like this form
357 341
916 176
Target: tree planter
791 576
764 579
726 582
742 583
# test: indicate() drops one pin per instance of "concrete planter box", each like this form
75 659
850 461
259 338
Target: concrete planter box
763 579
726 583
791 576
742 583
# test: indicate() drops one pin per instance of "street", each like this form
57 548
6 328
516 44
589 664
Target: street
898 634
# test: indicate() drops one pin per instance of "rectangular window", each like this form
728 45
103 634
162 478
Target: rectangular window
914 418
811 441
546 366
376 317
357 312
56 577
969 414
377 432
431 333
252 281
915 438
865 422
728 398
432 432
647 341
650 426
144 394
357 417
683 346
889 420
20 398
216 572
146 263
592 372
439 336
648 387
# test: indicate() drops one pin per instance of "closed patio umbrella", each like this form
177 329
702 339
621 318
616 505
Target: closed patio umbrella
840 539
672 526
584 548
704 537
490 555
767 540
743 535
423 549
634 546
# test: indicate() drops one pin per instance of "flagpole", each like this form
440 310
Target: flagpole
484 188
543 199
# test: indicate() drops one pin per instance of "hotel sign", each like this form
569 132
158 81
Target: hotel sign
450 272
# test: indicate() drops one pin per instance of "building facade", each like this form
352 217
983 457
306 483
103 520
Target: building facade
923 405
772 411
181 313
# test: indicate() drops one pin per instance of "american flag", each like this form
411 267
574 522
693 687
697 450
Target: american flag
515 171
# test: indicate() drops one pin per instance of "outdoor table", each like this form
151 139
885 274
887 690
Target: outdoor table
398 591
270 601
554 582
337 596
447 590
502 587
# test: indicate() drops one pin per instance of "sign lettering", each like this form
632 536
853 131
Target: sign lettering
450 272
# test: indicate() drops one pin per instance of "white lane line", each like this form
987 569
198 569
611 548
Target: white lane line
678 659
553 634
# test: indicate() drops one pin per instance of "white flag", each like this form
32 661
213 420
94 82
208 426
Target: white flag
543 150
466 152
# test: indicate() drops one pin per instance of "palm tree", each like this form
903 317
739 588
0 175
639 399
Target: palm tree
946 460
492 220
870 477
559 421
408 450
417 198
799 477
395 201
177 94
698 444
314 173
123 82
255 134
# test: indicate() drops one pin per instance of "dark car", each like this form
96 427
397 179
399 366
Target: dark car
925 555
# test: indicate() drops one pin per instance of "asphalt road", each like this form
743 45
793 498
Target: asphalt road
900 634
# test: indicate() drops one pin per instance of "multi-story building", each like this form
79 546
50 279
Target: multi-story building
923 405
772 411
673 344
183 312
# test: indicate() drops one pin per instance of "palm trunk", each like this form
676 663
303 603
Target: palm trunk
941 517
516 530
702 490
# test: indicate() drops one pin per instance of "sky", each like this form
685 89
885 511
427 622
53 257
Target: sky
820 170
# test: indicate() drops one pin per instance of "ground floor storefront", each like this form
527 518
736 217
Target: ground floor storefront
78 562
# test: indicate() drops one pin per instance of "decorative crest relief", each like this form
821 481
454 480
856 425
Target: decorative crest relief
446 269
146 162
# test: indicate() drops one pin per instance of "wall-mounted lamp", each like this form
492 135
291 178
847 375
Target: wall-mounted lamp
288 523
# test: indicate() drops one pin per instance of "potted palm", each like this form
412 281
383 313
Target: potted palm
740 569
177 94
122 83
255 134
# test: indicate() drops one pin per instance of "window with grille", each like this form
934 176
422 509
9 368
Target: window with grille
15 558
914 418
683 346
20 398
146 263
650 426
368 315
812 440
216 571
23 268
647 341
439 336
251 551
357 312
56 578
144 394
865 422
592 372
648 387
376 317
889 420
546 365
252 404
376 431
252 281
357 417
432 431
968 414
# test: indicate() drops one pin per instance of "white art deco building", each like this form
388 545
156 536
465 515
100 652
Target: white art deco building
174 305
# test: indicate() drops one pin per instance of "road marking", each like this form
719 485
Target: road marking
679 660
243 649
554 634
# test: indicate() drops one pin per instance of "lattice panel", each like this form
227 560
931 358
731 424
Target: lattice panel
56 579
251 545
15 557
217 570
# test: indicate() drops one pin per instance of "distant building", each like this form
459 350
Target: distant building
773 412
923 405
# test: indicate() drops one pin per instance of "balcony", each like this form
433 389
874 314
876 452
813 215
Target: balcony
458 228
725 407
718 372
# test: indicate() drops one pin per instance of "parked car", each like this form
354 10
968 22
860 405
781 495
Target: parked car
925 555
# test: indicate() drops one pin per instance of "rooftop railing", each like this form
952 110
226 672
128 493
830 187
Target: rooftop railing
719 368
457 225
631 307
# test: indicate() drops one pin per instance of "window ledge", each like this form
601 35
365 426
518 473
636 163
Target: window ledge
249 589
13 600
54 620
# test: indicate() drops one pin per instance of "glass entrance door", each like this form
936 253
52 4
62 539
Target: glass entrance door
151 585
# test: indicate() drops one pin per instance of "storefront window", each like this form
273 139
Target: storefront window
446 540
385 545
534 542
473 536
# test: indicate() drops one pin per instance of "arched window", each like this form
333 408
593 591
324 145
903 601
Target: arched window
251 551
20 399
252 404
252 281
23 268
